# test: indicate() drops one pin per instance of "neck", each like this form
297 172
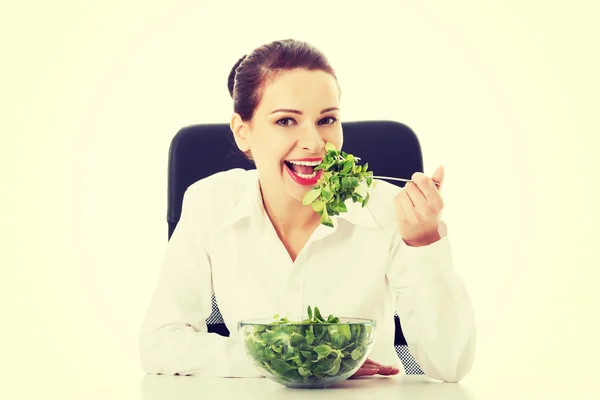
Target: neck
288 214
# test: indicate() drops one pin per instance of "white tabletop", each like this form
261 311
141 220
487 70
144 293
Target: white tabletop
153 387
161 388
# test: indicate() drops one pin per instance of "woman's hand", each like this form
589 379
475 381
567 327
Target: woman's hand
371 368
418 209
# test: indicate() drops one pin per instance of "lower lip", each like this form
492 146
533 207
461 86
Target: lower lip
304 181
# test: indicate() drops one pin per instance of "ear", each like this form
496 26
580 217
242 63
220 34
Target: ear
240 132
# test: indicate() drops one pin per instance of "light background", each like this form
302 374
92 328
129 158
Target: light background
503 94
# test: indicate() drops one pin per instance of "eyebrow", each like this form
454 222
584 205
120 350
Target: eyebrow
289 110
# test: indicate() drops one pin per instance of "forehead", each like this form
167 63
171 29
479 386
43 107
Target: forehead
300 89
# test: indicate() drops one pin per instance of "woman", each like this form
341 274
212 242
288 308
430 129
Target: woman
246 236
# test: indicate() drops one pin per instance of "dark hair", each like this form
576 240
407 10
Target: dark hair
250 73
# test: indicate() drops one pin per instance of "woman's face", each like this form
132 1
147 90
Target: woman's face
298 113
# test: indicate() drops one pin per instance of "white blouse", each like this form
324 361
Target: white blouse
225 244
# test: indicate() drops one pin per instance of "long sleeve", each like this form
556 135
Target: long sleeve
434 308
173 338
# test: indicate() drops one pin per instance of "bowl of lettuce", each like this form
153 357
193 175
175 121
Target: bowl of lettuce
313 353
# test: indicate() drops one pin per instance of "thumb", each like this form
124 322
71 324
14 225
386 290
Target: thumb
438 175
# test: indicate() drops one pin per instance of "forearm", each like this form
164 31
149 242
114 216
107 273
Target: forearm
181 349
438 323
434 308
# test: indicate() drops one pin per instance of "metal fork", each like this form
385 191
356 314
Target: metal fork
399 179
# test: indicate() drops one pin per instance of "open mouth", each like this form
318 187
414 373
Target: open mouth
303 171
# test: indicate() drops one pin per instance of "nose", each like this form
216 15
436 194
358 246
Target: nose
312 141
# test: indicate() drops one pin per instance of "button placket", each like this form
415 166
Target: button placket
298 281
302 264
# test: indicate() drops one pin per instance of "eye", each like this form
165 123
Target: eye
284 122
332 120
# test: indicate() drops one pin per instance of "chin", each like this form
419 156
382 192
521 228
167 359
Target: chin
297 193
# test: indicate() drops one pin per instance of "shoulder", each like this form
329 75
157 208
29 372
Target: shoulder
227 183
217 194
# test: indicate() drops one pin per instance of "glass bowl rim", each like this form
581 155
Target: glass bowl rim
272 322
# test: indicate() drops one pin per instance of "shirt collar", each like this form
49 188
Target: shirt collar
251 205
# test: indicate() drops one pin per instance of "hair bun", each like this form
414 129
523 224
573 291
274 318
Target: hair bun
233 73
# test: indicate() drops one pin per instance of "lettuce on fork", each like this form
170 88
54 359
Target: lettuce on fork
342 179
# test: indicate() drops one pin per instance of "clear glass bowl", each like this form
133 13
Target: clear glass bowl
308 355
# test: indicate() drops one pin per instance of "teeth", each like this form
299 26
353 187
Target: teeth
306 176
308 163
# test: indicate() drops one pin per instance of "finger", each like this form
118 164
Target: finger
438 175
371 362
406 208
418 199
383 369
365 371
426 186
388 370
433 202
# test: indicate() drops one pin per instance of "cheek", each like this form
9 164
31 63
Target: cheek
269 151
336 137
261 142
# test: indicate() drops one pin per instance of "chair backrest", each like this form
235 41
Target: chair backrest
198 151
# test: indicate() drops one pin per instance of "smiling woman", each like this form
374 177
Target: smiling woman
247 237
286 102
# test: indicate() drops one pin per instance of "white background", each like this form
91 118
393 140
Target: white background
503 94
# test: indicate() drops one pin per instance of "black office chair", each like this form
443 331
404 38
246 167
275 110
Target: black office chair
198 151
